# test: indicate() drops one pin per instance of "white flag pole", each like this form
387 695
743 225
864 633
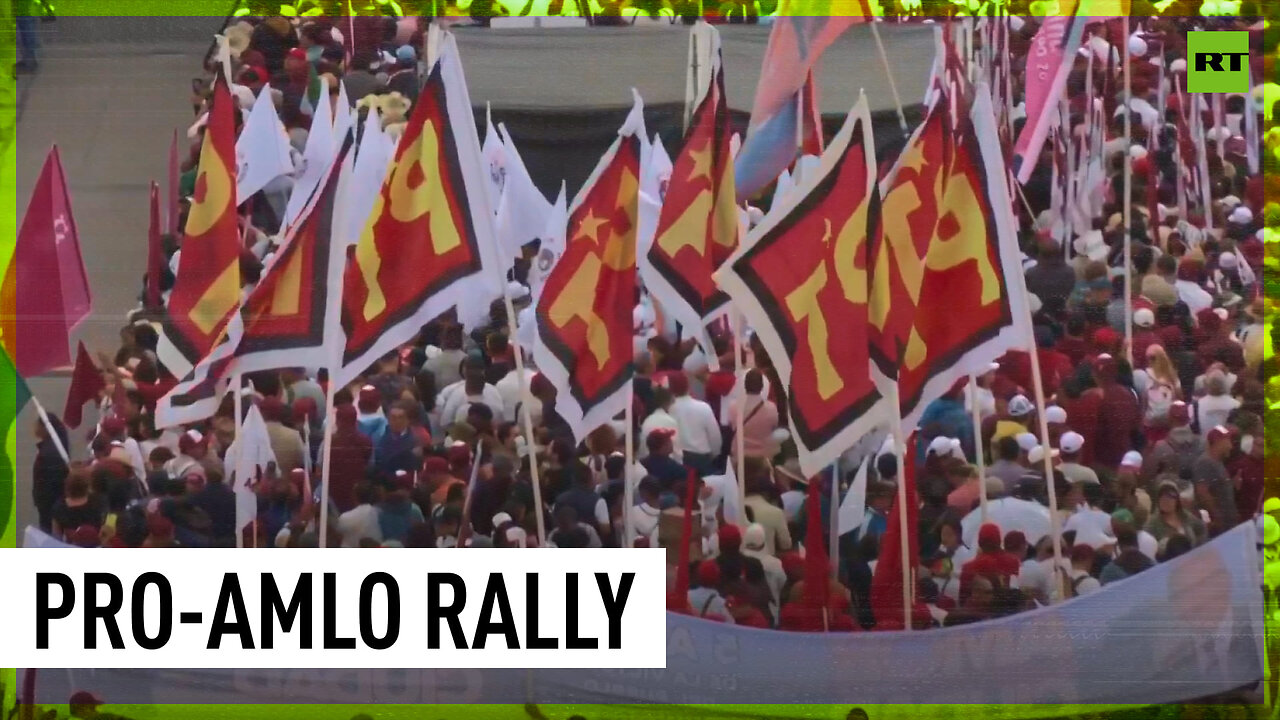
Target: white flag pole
976 412
1128 216
238 405
628 482
888 73
899 449
739 442
326 459
48 426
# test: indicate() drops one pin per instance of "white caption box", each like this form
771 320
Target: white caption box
601 626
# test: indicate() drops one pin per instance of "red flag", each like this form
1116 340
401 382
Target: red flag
678 599
155 253
941 307
886 583
801 280
817 565
46 278
206 290
174 174
86 385
427 246
584 313
698 224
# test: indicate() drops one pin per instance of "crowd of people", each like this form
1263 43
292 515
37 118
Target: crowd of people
1157 444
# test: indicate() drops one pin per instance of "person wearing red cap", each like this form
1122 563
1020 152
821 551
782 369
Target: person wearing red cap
1215 488
1119 414
349 456
991 562
1180 448
160 532
371 420
437 480
705 598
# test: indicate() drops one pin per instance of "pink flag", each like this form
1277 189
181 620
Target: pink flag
50 284
174 173
1048 63
155 253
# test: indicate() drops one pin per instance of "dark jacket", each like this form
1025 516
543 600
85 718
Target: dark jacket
218 502
350 457
395 452
48 474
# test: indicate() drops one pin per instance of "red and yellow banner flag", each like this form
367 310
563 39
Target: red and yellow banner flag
698 224
429 236
801 279
206 290
941 304
584 315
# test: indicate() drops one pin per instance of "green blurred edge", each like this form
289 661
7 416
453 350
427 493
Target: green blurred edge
8 539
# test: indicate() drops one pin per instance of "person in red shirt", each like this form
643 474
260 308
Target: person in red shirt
350 455
1119 414
992 562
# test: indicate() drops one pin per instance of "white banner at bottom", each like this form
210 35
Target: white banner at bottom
1182 630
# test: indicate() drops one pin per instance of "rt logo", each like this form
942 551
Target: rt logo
1219 62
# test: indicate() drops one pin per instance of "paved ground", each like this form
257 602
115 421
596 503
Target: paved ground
110 92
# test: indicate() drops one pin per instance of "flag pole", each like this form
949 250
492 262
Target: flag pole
893 85
48 426
628 487
833 516
739 442
238 404
899 449
977 445
330 412
526 419
1128 217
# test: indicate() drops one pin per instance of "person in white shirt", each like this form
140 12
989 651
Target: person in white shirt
473 389
1091 525
643 518
753 545
1214 408
446 365
660 419
699 436
1080 581
509 391
361 521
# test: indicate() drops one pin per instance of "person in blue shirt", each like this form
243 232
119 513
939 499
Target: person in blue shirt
398 513
947 417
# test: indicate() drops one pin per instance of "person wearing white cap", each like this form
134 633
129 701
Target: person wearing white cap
1070 445
1035 456
1240 216
1017 419
1027 442
945 447
980 388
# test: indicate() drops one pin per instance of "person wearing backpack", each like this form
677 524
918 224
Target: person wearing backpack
1180 448
1158 386
1079 581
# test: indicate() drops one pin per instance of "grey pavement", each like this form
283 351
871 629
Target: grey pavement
110 91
